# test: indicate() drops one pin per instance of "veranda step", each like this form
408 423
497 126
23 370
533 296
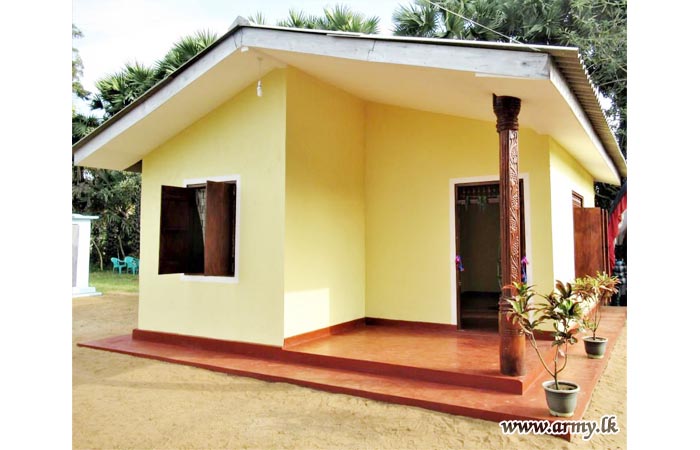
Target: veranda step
485 404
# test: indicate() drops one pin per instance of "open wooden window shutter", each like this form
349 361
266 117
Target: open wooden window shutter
181 243
219 229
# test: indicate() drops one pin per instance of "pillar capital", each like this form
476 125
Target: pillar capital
506 110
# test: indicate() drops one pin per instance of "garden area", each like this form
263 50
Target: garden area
109 282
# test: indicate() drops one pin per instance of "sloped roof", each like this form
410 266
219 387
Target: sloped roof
364 65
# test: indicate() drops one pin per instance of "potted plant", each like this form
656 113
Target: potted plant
563 308
599 290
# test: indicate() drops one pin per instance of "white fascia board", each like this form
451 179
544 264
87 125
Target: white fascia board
174 86
486 61
507 63
567 94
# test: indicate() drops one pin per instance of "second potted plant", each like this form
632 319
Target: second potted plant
562 307
599 290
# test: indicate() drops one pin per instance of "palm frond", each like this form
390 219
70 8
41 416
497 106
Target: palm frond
419 19
184 50
83 125
298 19
342 18
258 18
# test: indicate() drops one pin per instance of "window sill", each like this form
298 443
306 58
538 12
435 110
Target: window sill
209 279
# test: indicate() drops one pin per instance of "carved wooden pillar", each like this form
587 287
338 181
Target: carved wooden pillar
512 346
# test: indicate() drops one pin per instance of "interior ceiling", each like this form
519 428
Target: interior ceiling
428 89
457 93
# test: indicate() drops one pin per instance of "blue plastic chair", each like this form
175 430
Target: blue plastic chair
131 264
118 264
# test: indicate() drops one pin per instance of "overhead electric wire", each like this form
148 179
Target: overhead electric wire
510 39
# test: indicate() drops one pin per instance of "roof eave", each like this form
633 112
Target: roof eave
235 27
567 59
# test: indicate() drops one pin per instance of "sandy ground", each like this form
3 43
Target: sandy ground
122 401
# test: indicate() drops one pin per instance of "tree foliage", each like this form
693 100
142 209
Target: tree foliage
78 88
182 51
600 31
83 125
336 18
342 18
118 90
115 195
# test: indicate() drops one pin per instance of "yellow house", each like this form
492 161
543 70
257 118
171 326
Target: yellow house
298 180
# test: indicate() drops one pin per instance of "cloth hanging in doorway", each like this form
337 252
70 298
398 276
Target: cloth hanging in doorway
617 209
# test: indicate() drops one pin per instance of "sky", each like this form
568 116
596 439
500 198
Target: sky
119 31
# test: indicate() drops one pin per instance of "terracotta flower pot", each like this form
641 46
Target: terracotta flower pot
595 348
562 402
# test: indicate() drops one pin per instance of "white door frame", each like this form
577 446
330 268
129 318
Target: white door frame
453 232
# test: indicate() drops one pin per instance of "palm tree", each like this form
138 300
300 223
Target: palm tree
337 18
420 19
184 50
298 19
342 18
83 125
118 90
449 19
258 18
532 21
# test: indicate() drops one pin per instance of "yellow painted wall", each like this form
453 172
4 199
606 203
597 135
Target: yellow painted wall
345 211
567 175
324 249
245 136
411 156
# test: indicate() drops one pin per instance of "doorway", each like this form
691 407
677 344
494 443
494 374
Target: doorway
478 246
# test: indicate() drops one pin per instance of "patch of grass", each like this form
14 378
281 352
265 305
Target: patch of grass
107 281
